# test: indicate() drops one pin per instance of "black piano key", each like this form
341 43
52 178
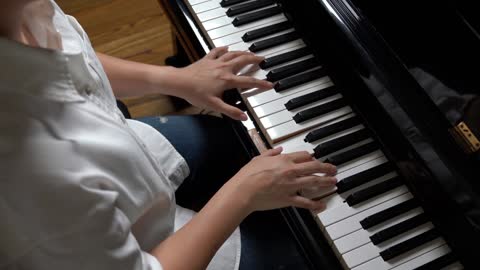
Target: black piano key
257 15
249 6
265 31
352 154
439 263
295 68
361 178
331 129
300 79
227 3
273 41
319 110
398 229
310 98
388 213
284 57
409 244
337 144
375 190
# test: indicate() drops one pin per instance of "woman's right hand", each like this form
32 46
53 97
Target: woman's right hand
272 180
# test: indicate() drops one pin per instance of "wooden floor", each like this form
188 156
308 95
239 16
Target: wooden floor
137 30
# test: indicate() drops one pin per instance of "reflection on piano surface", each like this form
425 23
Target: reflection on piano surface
385 91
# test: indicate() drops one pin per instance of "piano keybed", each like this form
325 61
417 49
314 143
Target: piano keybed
372 220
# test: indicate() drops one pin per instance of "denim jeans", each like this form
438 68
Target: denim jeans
214 155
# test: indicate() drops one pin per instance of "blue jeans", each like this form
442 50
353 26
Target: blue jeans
214 155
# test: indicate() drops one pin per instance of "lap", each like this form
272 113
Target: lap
214 155
211 149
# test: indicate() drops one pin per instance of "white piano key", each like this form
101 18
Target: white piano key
243 46
379 264
338 210
285 115
291 144
363 167
290 128
196 2
343 168
258 73
297 143
279 104
262 74
202 7
350 221
236 38
220 21
322 192
231 29
350 147
370 251
288 45
359 161
424 258
211 14
282 51
217 22
271 95
354 236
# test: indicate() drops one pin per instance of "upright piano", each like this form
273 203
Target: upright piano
388 91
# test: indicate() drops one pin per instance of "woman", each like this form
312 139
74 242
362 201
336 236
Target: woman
84 188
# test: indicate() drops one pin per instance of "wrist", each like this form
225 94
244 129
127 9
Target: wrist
237 196
170 80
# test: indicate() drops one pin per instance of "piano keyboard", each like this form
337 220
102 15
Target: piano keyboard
371 219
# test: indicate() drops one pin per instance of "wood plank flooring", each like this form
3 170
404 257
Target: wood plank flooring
134 30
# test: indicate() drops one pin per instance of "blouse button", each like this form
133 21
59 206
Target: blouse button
88 90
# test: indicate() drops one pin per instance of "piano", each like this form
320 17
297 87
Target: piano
386 90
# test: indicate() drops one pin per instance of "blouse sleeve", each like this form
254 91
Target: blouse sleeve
91 233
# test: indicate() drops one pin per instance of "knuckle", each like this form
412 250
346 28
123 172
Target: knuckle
227 77
290 171
305 154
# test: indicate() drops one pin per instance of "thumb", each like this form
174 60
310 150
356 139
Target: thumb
230 111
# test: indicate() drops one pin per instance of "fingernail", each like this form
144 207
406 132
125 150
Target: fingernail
333 169
243 117
333 180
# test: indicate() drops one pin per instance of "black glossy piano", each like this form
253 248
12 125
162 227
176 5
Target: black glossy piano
386 90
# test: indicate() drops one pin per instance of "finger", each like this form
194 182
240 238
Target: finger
216 53
302 202
313 181
232 112
240 62
249 82
273 152
232 55
314 166
299 157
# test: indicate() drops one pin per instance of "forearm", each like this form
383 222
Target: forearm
193 246
130 78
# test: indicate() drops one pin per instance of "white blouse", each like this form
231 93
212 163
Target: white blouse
81 187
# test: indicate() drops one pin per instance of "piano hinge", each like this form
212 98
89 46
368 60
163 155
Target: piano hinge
465 138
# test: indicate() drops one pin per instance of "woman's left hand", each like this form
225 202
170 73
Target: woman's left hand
208 78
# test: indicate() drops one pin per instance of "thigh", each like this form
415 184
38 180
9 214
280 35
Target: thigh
211 149
267 243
